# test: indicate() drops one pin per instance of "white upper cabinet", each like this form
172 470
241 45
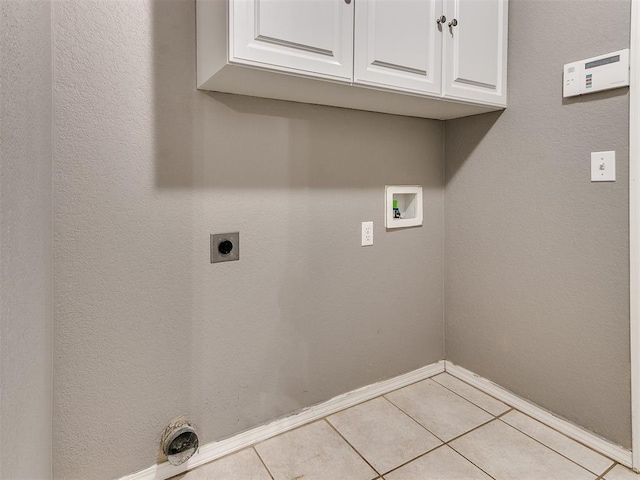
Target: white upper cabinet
424 58
309 36
475 49
398 44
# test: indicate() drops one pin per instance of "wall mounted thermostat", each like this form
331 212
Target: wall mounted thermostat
597 73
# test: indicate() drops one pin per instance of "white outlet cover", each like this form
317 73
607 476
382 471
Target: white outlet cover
603 166
367 234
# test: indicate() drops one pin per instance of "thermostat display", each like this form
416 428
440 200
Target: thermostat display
602 61
598 73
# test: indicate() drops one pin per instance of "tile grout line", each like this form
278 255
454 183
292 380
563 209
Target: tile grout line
447 443
535 419
378 474
472 463
567 436
553 450
601 477
472 386
465 399
469 431
409 384
442 445
496 417
468 400
412 419
454 438
414 459
391 401
512 408
262 461
451 440
364 401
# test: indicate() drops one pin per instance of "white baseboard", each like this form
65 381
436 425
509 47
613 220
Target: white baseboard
597 443
215 450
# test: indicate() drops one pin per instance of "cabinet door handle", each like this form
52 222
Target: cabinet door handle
348 2
442 19
453 23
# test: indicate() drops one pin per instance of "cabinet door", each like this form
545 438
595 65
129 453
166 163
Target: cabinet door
398 44
475 50
311 37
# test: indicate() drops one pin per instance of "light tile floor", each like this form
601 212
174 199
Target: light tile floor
437 429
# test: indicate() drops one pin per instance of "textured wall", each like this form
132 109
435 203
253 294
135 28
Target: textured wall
537 256
25 240
145 168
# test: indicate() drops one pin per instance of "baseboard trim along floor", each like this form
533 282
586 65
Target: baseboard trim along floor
212 451
590 439
215 450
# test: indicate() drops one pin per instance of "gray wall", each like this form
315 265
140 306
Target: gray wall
146 167
537 292
25 240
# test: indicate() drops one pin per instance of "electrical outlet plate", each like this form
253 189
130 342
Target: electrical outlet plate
219 247
367 234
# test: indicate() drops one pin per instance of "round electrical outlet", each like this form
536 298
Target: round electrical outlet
225 247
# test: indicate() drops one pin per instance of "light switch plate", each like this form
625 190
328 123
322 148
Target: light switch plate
603 166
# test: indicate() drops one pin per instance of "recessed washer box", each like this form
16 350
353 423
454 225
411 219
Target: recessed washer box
403 206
